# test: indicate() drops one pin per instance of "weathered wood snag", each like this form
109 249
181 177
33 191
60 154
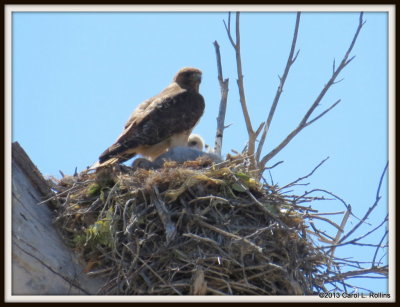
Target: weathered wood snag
41 263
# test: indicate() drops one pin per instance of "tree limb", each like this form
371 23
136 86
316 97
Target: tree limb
282 80
377 199
236 45
379 246
224 85
304 177
358 273
304 122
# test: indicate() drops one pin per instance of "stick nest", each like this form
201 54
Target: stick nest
186 230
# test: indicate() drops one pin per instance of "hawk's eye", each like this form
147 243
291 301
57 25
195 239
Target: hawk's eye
194 76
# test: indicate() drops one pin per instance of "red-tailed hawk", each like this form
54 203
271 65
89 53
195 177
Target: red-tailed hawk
161 122
179 154
195 141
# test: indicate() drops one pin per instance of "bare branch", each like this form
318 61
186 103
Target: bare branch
333 67
377 249
377 199
250 131
303 123
368 233
295 57
240 77
358 273
341 230
338 81
259 129
323 113
222 106
228 30
282 81
319 232
276 164
324 191
304 177
323 219
352 242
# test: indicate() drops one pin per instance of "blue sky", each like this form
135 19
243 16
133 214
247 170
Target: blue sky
77 77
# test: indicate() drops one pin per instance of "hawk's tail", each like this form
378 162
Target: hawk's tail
122 152
99 164
119 158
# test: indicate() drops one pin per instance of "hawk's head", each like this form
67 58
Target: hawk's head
195 141
188 78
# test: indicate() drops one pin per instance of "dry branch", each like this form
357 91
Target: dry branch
378 247
303 177
305 121
282 80
377 199
251 133
224 85
341 230
359 273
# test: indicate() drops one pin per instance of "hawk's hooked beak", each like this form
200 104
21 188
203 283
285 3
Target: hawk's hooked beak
196 77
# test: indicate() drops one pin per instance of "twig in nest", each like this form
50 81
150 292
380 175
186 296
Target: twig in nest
165 216
253 246
76 185
158 276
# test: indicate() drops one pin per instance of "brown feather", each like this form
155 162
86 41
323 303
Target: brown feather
160 122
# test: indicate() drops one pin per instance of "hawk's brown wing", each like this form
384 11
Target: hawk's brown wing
150 104
171 112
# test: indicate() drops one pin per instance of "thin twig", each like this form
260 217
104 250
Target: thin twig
291 59
369 232
341 229
379 246
358 273
159 277
74 186
325 191
271 167
378 197
228 30
304 177
322 113
304 122
230 235
323 219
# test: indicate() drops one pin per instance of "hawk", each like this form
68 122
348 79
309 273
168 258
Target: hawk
161 122
179 154
195 141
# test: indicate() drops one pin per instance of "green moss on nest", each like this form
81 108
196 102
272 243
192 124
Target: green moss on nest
93 189
188 230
